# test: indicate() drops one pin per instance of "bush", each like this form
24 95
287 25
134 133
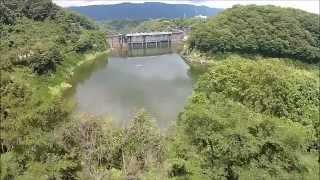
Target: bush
142 144
267 86
178 168
251 119
83 45
39 10
45 61
104 148
232 139
7 16
90 41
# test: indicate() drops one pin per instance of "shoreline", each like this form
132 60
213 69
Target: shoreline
194 58
58 89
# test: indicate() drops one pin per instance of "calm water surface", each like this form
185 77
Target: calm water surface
119 86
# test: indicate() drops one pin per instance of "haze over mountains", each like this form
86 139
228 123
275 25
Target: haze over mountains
148 10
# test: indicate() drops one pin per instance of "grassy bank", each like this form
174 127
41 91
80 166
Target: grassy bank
60 80
52 85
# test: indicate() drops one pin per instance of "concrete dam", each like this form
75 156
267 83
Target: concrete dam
145 40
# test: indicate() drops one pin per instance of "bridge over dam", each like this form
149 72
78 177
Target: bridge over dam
145 40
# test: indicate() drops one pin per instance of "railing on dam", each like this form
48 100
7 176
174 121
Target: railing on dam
145 40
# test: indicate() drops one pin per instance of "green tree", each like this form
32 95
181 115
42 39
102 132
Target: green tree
39 10
141 144
43 62
233 140
267 86
267 30
250 119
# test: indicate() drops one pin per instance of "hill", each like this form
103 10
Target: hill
252 116
127 26
251 119
41 44
168 24
266 30
149 10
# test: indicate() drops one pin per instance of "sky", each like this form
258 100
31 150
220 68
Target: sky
307 5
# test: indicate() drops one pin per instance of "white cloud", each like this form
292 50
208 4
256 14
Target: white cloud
307 5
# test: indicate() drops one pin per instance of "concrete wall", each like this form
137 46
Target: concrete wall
143 41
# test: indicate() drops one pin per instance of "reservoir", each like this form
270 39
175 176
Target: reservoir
156 80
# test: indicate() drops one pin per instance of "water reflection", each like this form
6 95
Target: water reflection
119 86
139 52
195 71
84 72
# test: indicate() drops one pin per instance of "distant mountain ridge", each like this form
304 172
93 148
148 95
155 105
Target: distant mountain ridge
147 10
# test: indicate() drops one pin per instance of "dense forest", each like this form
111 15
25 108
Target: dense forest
169 24
40 46
119 26
266 30
254 114
252 119
129 26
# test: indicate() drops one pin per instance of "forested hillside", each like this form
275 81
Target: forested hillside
168 24
144 11
254 119
266 30
127 26
119 26
250 116
40 46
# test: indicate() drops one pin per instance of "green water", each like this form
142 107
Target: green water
119 86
